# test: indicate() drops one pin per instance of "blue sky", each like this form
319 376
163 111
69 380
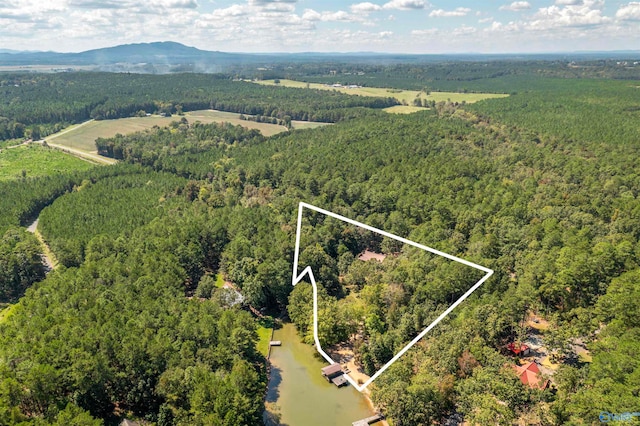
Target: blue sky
409 26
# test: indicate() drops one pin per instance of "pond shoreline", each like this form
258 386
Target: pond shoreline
297 394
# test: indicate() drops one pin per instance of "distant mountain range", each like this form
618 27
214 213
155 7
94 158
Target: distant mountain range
169 53
171 56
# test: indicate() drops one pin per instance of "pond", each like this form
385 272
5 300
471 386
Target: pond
300 393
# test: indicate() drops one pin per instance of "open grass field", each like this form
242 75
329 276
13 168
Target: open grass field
307 124
82 136
404 96
264 337
36 160
212 116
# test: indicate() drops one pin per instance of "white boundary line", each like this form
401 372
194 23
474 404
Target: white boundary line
307 271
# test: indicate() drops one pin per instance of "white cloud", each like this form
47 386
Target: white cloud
405 4
464 30
176 4
428 32
231 11
34 6
262 2
365 7
279 7
441 13
340 15
337 16
98 4
503 28
368 7
629 11
132 4
589 13
517 6
282 25
311 15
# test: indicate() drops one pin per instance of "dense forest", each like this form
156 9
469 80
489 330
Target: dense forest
530 186
20 264
117 335
454 75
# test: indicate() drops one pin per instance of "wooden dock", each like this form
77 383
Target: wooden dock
368 421
339 381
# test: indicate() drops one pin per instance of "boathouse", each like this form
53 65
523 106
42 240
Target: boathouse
334 374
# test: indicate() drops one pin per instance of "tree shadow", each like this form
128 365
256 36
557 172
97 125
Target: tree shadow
272 418
271 415
273 389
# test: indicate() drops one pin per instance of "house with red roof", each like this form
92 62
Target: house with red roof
530 375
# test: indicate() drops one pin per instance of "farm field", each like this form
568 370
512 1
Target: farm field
82 137
213 116
307 124
404 96
36 160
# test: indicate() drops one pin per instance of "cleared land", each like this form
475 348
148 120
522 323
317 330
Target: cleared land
307 124
404 96
82 136
36 160
88 156
264 337
213 116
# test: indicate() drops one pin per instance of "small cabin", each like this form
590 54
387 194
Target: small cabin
334 374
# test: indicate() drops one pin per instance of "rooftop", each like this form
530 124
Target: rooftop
331 369
530 375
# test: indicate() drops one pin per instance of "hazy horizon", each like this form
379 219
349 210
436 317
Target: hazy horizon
360 52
